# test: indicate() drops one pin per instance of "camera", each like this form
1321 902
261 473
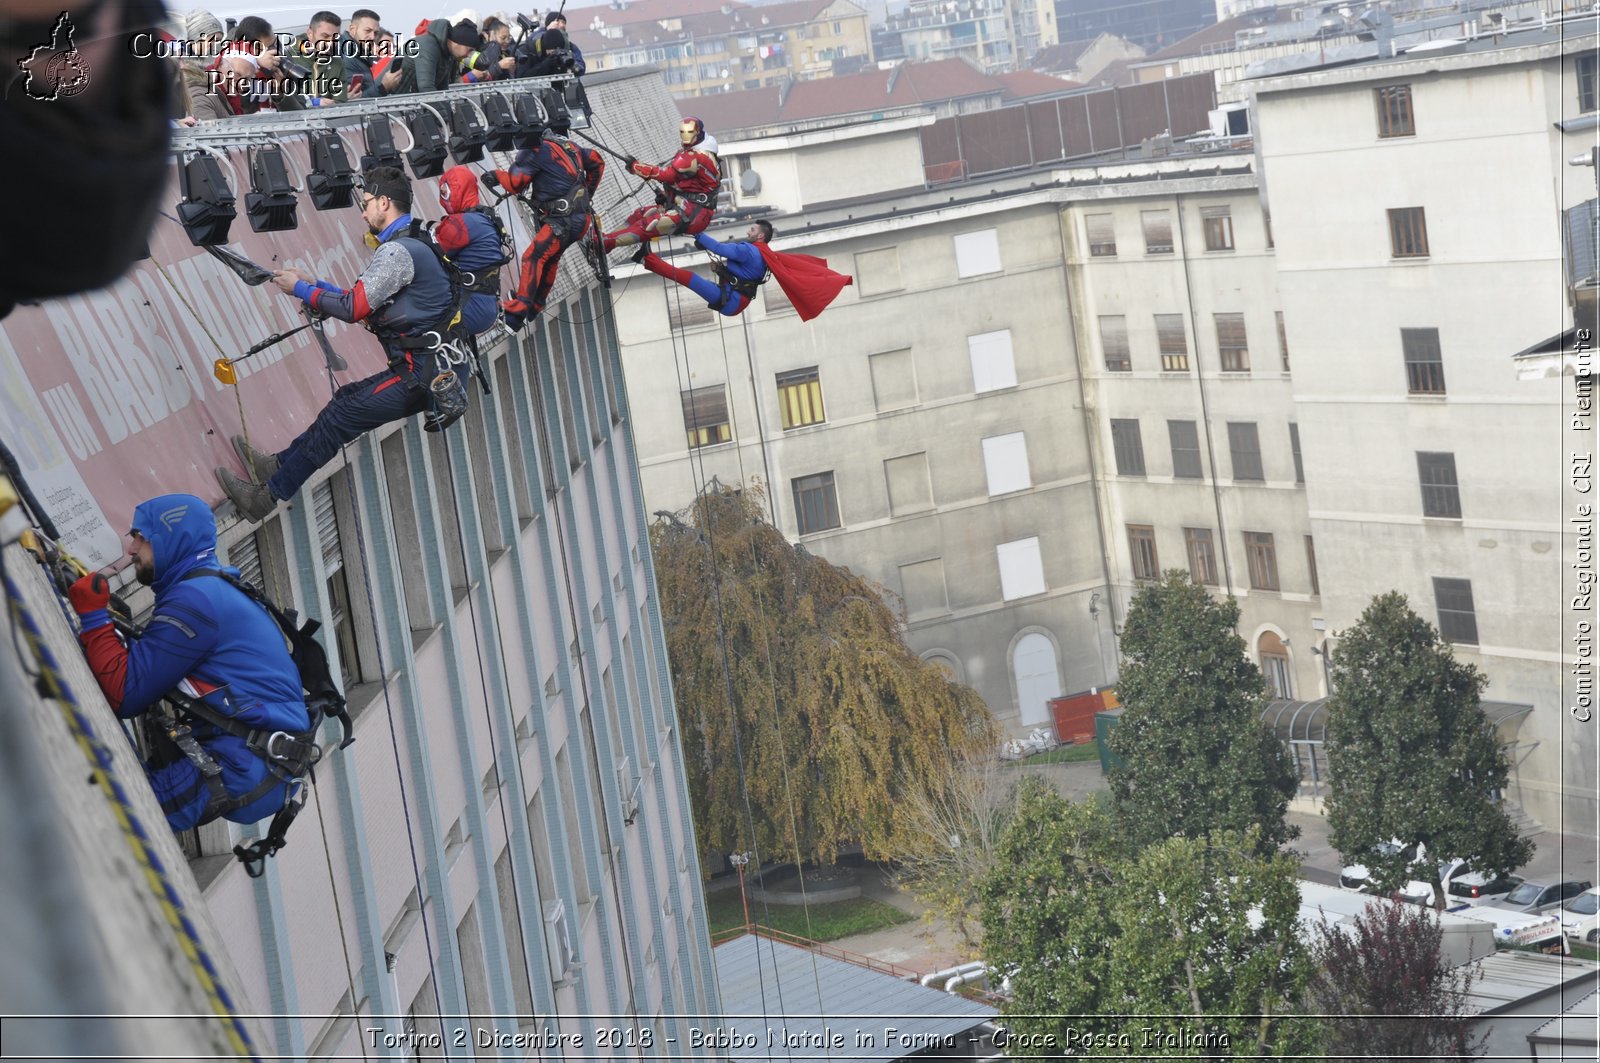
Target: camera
527 25
295 69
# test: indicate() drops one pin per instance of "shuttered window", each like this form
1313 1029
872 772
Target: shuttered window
1142 550
1218 224
1102 235
1128 446
337 585
245 555
800 398
1114 342
1232 346
1157 231
1408 232
1173 343
327 527
1185 437
705 416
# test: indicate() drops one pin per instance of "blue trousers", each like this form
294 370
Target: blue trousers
185 797
355 409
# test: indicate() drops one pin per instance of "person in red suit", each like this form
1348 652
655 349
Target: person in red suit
689 184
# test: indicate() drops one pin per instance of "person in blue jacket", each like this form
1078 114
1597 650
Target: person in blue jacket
209 641
473 238
738 276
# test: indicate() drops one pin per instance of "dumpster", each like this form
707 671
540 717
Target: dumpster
1074 714
1103 723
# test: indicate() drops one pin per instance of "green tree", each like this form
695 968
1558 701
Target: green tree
1411 756
1196 757
804 712
1096 938
1385 977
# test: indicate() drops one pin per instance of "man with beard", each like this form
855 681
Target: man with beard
211 645
412 303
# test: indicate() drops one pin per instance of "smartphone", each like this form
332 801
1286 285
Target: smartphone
357 82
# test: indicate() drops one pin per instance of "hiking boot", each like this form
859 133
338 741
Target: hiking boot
253 501
263 465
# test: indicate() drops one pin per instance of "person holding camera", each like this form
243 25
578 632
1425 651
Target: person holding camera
551 52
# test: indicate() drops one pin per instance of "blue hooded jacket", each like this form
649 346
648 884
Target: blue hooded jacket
205 628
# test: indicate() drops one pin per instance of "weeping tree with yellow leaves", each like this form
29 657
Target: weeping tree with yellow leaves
805 716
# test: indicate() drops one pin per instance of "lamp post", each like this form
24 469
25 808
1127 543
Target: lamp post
738 860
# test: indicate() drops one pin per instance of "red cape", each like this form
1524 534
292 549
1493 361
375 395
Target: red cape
805 279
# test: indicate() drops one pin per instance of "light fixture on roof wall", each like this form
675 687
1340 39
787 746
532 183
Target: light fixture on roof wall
332 180
207 209
467 133
380 144
427 151
270 203
502 121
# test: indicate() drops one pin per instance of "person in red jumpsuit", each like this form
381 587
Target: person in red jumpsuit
689 183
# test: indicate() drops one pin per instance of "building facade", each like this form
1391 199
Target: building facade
1417 203
506 851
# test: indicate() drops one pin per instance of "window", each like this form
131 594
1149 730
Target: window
1244 446
1263 557
1408 232
1114 342
342 623
816 504
705 416
1218 223
1441 495
906 478
1458 621
1424 361
1394 111
923 588
1311 565
1283 341
992 367
1128 447
1202 553
690 312
773 300
878 271
1294 448
1266 224
1142 549
1588 98
1231 343
1101 234
1005 460
1185 439
1157 231
1021 569
894 380
800 398
1173 343
977 253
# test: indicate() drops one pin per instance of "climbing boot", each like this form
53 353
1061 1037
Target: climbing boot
253 501
258 462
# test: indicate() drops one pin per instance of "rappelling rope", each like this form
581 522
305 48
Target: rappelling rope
338 910
52 684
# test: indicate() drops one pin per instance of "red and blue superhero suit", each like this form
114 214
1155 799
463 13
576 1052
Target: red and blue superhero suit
209 640
471 236
690 181
560 179
742 269
403 294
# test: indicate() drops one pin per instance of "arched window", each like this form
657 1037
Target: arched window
1275 665
946 662
1033 664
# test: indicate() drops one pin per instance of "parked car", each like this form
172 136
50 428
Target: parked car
1463 887
1580 918
1472 888
1534 897
1356 877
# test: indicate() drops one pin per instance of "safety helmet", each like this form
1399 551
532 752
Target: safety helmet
691 131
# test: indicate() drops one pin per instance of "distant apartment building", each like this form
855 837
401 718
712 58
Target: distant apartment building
993 35
1417 202
705 50
1151 24
1084 60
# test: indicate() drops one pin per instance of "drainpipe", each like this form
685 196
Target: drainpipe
1081 344
980 975
948 972
1205 409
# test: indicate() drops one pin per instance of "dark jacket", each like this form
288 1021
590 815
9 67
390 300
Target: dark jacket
358 65
404 291
433 67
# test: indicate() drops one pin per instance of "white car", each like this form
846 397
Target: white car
1356 877
1580 919
1463 887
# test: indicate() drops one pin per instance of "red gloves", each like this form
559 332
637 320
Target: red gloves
89 594
643 169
